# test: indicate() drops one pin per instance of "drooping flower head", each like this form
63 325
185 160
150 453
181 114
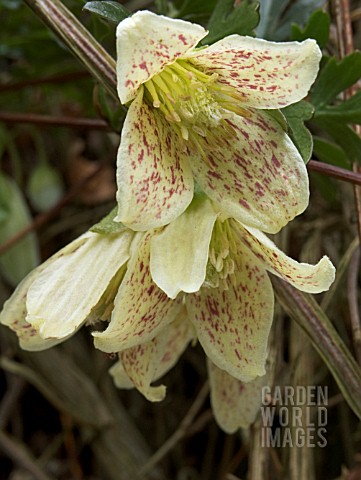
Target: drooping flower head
204 113
154 294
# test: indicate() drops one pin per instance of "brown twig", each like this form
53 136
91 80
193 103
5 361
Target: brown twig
52 121
335 172
79 40
65 77
18 453
179 433
43 218
352 281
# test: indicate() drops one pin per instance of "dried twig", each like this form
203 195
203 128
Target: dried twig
179 433
54 121
18 453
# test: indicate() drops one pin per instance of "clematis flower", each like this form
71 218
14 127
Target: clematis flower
216 269
154 293
205 114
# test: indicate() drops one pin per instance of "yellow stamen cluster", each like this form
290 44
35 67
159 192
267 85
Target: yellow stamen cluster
192 100
222 258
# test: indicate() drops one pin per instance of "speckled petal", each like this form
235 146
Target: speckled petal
179 254
233 325
146 43
257 175
266 74
141 309
235 404
155 182
305 277
64 293
145 363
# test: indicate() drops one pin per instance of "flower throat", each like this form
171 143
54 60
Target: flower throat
192 100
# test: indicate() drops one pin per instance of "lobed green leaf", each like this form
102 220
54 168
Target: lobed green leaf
232 18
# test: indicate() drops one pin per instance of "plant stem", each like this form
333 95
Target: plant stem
309 315
79 41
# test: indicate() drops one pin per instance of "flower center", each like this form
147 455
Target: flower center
191 99
222 258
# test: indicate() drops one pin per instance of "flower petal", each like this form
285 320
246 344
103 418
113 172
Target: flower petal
141 309
14 313
140 363
155 182
180 265
235 404
233 325
146 43
266 74
305 277
257 175
64 293
144 364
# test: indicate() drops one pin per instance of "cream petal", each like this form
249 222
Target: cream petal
155 181
256 174
235 404
62 296
179 254
14 313
146 43
141 309
144 364
120 378
265 74
139 363
307 278
233 325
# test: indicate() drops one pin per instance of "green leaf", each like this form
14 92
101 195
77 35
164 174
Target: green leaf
18 260
329 152
277 16
342 134
347 112
192 9
317 27
107 226
229 18
335 77
113 12
296 115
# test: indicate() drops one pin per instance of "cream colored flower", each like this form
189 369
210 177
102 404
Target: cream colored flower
203 113
216 269
204 276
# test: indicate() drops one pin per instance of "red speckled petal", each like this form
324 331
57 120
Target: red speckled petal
61 297
257 176
235 404
155 182
266 74
305 277
147 362
233 325
181 265
141 309
146 43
